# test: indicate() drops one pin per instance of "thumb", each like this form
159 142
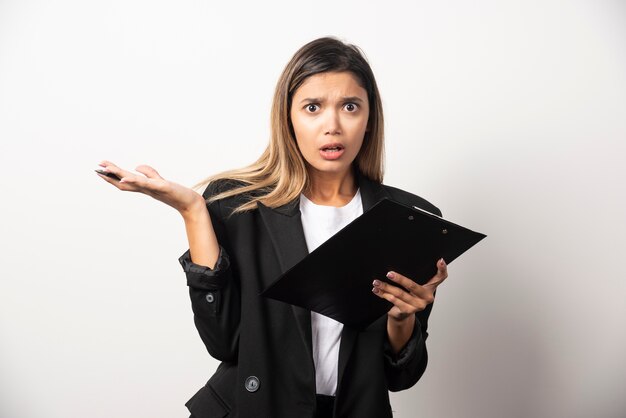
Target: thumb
442 274
148 171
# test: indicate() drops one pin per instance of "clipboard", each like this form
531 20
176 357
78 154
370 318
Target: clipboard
336 278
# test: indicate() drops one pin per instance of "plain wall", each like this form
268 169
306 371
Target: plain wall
508 115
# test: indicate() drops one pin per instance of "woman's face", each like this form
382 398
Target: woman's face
329 113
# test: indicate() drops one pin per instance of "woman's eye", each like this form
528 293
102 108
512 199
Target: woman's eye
311 107
351 107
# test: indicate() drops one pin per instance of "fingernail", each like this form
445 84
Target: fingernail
376 283
375 290
442 261
390 275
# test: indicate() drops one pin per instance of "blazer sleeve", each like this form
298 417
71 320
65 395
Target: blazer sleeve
405 368
215 293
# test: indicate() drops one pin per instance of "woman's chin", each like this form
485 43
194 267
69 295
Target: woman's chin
329 168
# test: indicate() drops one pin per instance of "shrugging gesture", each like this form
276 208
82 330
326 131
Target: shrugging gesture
179 197
203 244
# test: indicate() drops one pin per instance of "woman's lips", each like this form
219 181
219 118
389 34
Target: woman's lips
331 151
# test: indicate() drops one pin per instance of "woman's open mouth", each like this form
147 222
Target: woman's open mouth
331 151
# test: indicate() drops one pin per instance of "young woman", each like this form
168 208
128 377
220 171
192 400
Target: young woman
322 168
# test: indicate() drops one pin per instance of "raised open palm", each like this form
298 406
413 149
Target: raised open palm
152 184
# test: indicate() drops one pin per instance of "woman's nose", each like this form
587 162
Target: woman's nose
332 123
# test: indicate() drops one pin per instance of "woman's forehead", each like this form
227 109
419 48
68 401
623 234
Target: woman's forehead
342 83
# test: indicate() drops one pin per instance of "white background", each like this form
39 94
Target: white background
508 115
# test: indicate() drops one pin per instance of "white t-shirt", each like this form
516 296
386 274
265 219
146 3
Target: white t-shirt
320 223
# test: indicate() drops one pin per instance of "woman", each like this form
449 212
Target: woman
321 169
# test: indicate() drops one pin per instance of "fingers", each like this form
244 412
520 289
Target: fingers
404 281
127 178
408 284
108 178
405 301
415 298
150 183
112 168
401 309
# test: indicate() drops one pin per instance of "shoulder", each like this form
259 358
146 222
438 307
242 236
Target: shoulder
231 199
411 199
221 186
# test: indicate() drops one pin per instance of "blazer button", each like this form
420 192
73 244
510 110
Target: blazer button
252 384
210 297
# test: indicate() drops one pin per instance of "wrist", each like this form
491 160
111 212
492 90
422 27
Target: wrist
399 331
402 321
195 210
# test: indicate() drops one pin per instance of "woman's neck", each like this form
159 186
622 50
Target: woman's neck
331 189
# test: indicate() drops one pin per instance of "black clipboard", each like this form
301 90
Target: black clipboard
336 278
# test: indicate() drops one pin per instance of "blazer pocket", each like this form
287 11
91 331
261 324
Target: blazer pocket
207 403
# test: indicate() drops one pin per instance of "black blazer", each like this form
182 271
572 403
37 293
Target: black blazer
264 345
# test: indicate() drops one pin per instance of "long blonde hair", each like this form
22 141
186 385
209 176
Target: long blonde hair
279 176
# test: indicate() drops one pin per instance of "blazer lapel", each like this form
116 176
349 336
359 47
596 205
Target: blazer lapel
371 193
284 227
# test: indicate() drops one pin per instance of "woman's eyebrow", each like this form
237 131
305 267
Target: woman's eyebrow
311 100
352 99
343 99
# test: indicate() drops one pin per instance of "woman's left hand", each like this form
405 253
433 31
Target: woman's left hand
401 316
416 297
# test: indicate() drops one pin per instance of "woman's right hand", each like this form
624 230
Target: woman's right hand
181 198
